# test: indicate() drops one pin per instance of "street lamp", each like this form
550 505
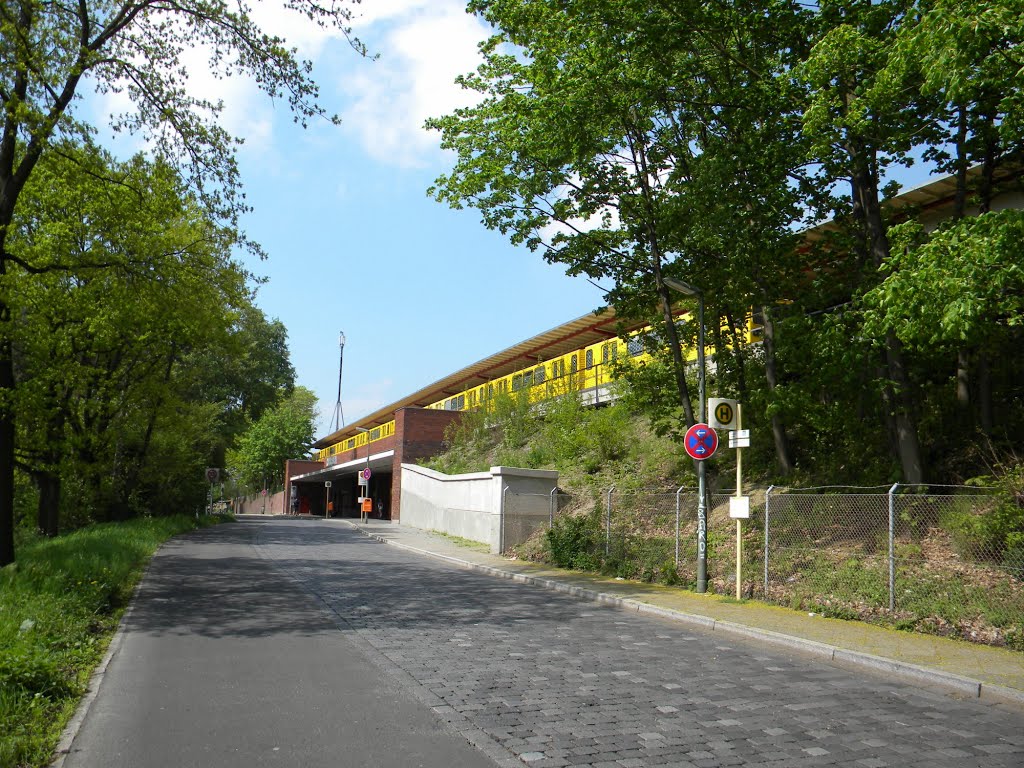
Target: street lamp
702 513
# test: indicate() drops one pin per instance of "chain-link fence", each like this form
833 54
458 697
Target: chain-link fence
827 548
524 514
936 561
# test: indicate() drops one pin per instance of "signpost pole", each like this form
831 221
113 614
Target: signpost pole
702 509
702 512
739 493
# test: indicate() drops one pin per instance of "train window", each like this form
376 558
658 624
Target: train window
604 353
462 403
573 364
634 346
590 359
472 398
517 382
375 434
490 390
615 350
538 375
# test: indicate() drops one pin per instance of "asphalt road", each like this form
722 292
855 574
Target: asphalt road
303 643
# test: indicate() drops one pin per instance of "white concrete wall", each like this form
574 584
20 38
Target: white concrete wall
257 505
469 505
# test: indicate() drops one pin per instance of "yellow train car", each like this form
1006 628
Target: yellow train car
363 438
585 369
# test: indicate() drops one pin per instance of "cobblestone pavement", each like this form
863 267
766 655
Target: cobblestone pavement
556 681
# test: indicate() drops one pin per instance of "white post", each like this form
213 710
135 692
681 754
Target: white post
739 493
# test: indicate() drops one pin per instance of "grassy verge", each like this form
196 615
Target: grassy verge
477 546
59 606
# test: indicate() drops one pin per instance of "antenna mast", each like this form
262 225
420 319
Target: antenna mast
339 415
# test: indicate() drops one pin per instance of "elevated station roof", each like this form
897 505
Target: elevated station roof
592 328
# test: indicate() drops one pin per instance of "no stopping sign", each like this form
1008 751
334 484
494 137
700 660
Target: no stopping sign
700 442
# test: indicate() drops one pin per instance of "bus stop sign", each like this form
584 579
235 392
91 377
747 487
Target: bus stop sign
700 442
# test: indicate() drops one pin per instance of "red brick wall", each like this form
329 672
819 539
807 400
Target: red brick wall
419 433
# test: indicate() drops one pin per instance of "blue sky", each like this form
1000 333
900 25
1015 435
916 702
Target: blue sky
354 243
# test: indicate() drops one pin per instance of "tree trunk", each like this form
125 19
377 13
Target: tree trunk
963 380
865 189
6 443
638 146
985 415
678 364
782 449
738 344
48 515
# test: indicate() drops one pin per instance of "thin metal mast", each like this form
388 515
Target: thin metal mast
339 414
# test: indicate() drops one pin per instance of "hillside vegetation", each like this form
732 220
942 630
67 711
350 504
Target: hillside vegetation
959 553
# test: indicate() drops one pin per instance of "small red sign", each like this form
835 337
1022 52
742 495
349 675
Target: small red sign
700 442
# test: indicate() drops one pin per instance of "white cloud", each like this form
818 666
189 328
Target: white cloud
247 111
425 47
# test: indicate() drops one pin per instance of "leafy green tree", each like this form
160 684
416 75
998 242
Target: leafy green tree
135 48
98 351
862 118
966 56
631 142
284 431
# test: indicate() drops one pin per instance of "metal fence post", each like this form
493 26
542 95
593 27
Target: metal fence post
892 547
501 520
552 503
608 523
767 507
678 513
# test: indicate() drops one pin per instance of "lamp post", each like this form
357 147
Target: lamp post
702 513
362 515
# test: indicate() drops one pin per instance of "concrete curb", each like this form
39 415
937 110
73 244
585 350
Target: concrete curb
905 671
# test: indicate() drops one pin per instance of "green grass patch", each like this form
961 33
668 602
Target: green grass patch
59 606
476 546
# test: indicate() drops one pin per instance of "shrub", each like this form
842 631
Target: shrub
573 542
996 534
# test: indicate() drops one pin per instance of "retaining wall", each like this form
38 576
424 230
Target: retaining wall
468 505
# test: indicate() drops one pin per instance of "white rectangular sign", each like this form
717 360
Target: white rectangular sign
739 507
739 438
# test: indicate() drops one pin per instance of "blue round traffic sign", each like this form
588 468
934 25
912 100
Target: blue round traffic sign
700 442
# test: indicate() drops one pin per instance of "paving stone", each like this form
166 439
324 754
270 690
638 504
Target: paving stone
556 681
